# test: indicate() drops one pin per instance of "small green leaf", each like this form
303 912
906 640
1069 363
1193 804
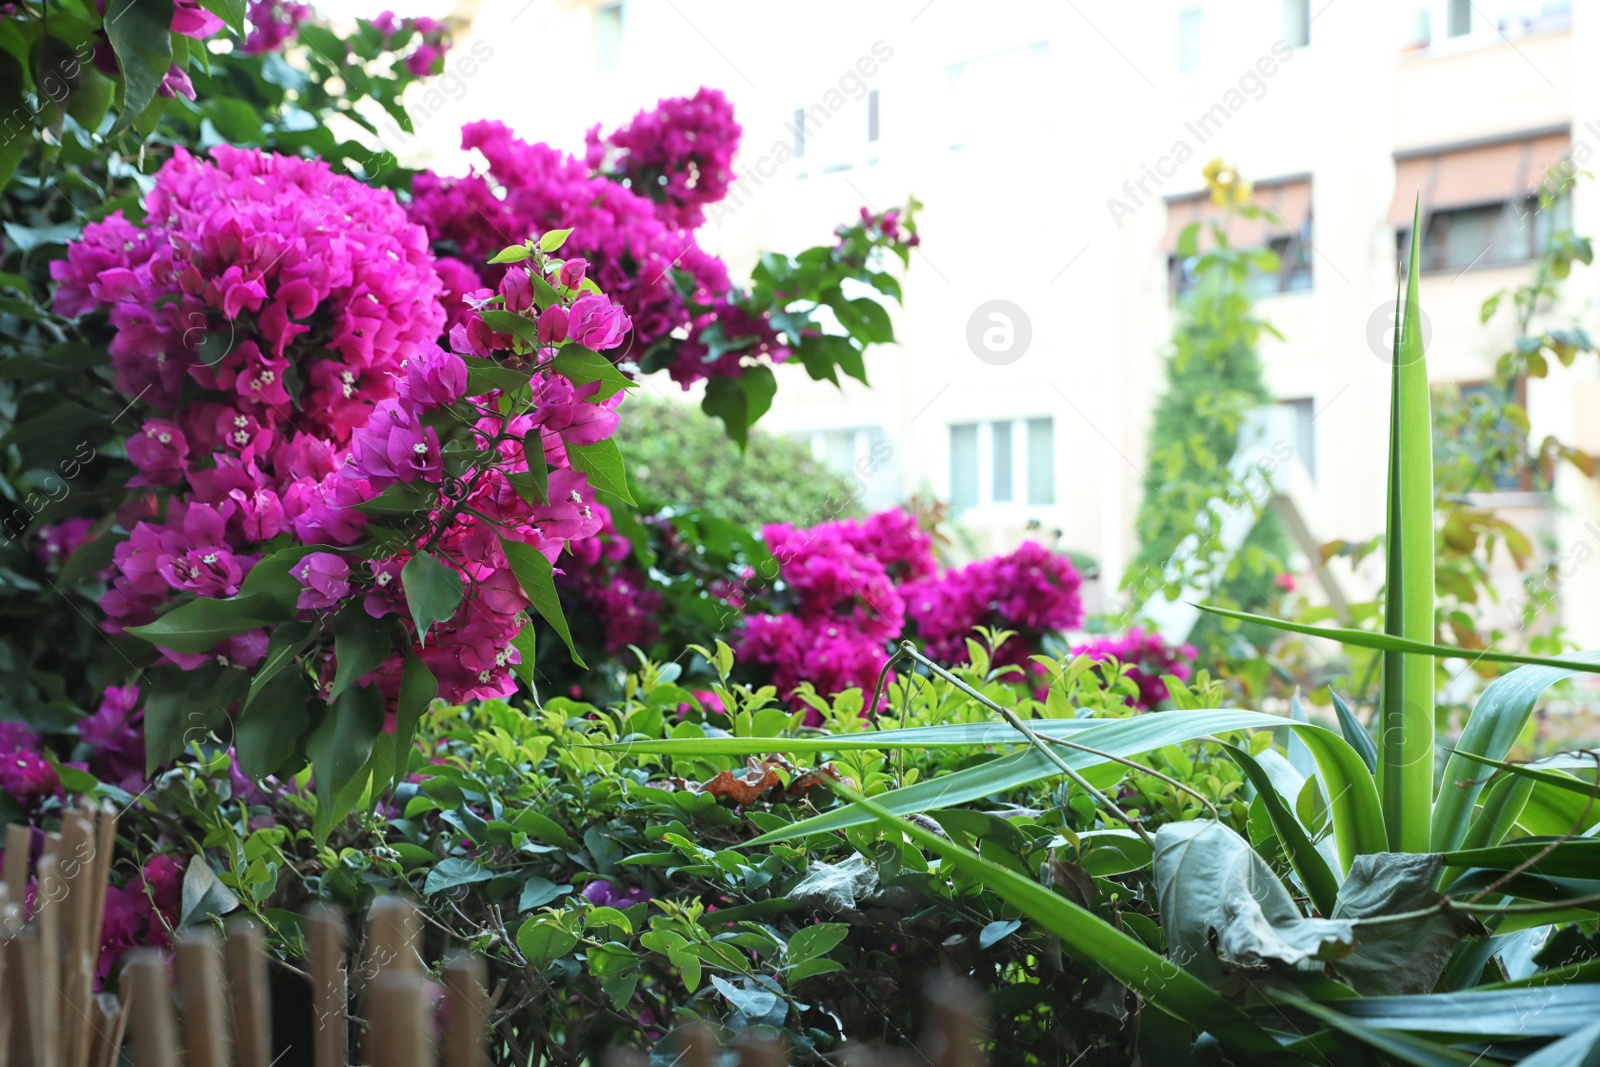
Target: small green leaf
340 748
512 254
602 464
203 895
534 483
537 576
274 718
537 892
360 645
526 643
197 626
543 940
418 688
812 968
554 239
810 942
452 873
433 591
581 366
515 325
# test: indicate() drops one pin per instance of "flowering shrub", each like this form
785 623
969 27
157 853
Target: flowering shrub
1145 658
632 202
339 507
851 588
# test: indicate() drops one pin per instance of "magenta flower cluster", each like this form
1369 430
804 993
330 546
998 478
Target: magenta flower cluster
142 913
1032 591
432 41
602 577
843 580
678 154
858 586
630 253
1145 657
25 774
296 312
272 23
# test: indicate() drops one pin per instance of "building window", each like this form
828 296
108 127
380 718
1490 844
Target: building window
798 128
1006 462
872 116
1188 40
1486 235
607 35
1301 433
1296 23
1458 18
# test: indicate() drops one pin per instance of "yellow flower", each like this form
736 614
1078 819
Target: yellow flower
1226 184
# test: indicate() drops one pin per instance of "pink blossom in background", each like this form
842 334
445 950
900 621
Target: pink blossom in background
1147 656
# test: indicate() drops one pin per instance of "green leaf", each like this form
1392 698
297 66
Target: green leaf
433 591
537 892
1321 884
286 642
975 735
541 827
236 120
808 969
360 646
1408 1049
1383 642
203 895
543 940
418 688
13 89
537 576
1405 765
1397 957
515 325
197 626
140 34
1358 825
340 748
230 11
602 464
581 365
1091 940
1576 857
1498 1014
90 558
275 716
1355 733
726 400
452 873
1581 1048
1497 720
554 239
809 942
534 483
484 375
1223 909
511 254
527 645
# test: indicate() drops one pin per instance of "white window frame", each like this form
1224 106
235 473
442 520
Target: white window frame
1021 464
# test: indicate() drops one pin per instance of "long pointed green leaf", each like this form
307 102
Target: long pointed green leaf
1572 858
1581 1048
1355 733
1384 642
1497 720
1550 778
1092 940
1403 1047
1358 823
1405 757
963 735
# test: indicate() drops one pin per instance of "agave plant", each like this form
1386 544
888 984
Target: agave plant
1403 891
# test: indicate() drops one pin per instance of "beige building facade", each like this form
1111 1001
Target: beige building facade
1057 148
